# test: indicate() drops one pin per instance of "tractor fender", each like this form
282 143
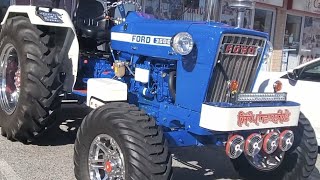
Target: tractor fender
103 90
69 43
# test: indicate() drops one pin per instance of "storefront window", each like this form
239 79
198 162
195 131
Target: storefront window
176 9
197 13
263 21
310 48
291 42
292 32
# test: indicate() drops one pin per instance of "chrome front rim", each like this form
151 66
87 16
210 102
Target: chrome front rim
265 162
10 73
106 160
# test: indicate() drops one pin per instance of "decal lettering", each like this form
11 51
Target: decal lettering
236 49
229 48
252 50
242 50
141 39
247 118
162 41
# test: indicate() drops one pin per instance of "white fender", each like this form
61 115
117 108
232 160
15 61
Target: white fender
30 11
102 90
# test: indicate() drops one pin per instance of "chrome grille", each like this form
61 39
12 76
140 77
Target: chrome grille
241 68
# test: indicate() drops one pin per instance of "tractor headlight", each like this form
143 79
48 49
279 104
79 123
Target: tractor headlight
182 43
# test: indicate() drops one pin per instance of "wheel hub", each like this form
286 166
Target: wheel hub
108 167
106 161
270 156
10 73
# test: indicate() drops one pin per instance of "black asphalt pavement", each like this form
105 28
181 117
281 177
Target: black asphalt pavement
51 157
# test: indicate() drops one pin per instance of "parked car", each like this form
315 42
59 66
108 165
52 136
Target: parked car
302 85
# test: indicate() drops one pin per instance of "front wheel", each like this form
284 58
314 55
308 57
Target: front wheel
296 164
118 141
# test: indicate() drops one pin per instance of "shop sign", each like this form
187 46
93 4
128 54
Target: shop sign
312 6
272 2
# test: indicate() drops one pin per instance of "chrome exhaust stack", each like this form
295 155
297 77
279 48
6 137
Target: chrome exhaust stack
255 143
242 6
235 146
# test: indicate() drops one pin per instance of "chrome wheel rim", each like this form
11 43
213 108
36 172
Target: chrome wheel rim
106 160
10 73
265 162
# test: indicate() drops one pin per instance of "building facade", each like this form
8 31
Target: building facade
294 26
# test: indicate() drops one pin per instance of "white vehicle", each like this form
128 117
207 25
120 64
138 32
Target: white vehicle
302 85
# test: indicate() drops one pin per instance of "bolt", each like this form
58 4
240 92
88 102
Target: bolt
125 27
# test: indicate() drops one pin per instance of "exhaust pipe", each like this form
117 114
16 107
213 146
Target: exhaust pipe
242 6
286 140
253 144
235 146
271 142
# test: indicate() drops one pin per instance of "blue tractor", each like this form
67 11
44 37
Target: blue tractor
185 83
152 84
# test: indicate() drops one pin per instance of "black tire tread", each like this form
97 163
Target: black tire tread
149 157
41 85
299 162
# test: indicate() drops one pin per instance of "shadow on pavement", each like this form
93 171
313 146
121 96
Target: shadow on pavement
64 130
205 163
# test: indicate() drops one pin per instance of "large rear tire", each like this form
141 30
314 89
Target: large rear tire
298 163
29 79
139 148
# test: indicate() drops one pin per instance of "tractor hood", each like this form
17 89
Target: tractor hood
145 35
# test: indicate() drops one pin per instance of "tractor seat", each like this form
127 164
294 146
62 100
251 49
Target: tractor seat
94 32
90 22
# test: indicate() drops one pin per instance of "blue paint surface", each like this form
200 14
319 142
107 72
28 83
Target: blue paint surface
179 112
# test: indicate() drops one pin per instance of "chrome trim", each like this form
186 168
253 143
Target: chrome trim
240 68
261 97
